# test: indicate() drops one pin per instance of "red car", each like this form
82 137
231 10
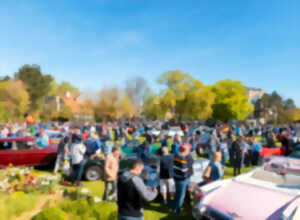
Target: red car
22 151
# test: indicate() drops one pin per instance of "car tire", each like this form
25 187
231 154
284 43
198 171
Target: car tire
94 173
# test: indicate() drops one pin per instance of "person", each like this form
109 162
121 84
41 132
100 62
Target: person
149 137
271 140
77 152
237 155
224 151
111 169
256 149
214 171
181 177
43 140
213 144
166 175
132 193
143 152
62 149
93 146
164 142
176 144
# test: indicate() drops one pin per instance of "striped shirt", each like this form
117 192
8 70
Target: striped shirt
180 167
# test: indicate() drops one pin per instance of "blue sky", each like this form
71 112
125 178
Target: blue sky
93 43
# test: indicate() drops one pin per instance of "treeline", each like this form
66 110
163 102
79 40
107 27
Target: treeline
181 97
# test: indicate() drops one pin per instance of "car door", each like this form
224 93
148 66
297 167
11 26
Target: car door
8 153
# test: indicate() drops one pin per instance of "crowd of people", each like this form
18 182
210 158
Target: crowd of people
235 145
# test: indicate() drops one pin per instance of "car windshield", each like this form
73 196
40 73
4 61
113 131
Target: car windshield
285 180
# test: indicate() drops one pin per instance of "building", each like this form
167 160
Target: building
254 94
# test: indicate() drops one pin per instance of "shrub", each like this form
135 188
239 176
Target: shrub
50 214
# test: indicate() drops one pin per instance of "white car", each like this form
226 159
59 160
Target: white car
175 131
258 195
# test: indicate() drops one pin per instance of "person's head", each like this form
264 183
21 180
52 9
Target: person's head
165 150
43 132
137 166
116 151
184 149
176 138
66 139
217 157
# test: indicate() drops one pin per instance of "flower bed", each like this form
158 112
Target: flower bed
20 179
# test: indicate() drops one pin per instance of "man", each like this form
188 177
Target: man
214 171
93 146
143 152
77 151
237 149
132 193
111 169
149 137
43 140
181 176
166 175
62 149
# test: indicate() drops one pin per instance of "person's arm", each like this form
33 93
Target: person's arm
107 167
147 195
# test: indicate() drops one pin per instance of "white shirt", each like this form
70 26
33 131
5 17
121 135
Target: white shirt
77 152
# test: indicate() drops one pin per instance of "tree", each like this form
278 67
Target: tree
231 101
37 84
184 97
14 100
135 90
62 89
112 105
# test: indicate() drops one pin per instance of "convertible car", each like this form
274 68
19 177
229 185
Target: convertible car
22 151
259 194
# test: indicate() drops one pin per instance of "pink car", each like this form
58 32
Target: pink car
256 195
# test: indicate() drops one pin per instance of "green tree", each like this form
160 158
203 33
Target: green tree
184 96
37 84
231 102
14 100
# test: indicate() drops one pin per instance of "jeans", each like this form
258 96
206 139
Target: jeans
180 186
120 217
113 185
224 158
77 171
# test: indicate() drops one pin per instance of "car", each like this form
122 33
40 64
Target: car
259 194
20 151
94 170
55 136
175 131
282 165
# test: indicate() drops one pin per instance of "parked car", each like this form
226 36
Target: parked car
55 136
258 194
175 130
23 151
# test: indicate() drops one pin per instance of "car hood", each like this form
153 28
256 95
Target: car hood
244 201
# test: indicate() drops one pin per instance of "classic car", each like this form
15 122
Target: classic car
258 194
23 151
55 136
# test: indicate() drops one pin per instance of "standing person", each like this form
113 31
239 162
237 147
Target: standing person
132 193
214 171
176 144
77 151
111 169
256 149
62 149
224 151
43 140
237 155
181 177
166 175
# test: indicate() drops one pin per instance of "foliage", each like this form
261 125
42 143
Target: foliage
184 97
14 100
112 105
37 84
274 108
51 213
16 203
231 102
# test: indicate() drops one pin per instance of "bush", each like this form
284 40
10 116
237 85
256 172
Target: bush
50 214
15 204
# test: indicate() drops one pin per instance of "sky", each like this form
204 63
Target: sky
97 43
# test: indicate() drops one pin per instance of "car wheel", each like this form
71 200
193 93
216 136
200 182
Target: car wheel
93 173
